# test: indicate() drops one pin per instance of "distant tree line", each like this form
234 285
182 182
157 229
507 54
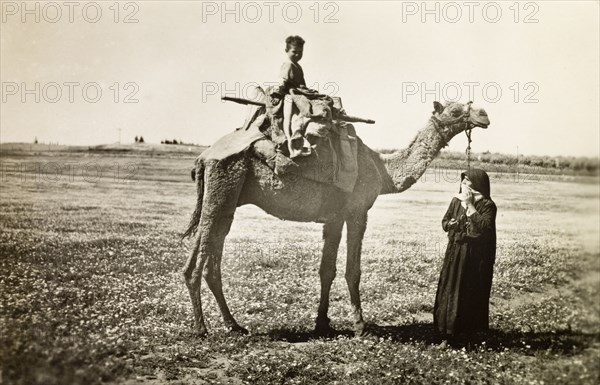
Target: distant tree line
35 141
508 162
165 141
174 141
573 163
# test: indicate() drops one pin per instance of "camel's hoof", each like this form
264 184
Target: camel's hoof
325 331
366 335
322 329
365 331
237 329
201 332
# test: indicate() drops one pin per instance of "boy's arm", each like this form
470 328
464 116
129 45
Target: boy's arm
285 77
283 85
291 76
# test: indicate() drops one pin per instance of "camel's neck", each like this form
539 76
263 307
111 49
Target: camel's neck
406 166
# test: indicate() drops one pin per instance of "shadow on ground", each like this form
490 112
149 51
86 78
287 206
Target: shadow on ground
558 342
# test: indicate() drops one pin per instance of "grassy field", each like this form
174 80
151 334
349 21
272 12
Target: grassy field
90 290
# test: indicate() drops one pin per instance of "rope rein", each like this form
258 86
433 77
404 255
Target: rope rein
468 132
468 150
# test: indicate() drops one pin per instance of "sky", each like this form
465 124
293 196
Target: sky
88 72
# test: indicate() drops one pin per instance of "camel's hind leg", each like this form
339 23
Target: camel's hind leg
193 281
212 270
332 233
223 182
193 266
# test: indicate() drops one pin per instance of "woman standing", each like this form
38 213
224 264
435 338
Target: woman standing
463 294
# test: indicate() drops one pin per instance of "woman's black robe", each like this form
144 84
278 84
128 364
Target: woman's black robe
462 299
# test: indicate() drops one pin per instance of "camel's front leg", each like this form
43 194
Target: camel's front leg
332 233
356 226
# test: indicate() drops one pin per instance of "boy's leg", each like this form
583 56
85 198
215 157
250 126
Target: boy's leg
266 150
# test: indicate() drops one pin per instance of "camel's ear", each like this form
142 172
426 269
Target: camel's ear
437 107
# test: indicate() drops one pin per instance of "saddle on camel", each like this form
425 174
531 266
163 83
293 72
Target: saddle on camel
301 132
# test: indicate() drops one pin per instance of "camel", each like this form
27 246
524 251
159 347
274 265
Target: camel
242 179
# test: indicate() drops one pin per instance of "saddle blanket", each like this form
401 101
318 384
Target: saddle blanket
334 158
232 143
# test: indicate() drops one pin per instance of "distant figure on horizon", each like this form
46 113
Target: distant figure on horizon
463 293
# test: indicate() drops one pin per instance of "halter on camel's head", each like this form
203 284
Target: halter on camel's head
453 118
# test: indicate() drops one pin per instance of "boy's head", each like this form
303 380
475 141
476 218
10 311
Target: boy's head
294 46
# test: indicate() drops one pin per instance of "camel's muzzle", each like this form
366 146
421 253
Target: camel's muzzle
479 118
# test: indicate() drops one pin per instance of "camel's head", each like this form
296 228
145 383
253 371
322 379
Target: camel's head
454 117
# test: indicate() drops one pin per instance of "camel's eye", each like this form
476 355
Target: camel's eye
456 112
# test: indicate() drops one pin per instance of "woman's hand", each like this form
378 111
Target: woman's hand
452 223
469 196
470 201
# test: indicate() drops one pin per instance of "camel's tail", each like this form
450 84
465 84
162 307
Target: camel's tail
198 176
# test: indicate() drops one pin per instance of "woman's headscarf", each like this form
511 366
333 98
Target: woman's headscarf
480 181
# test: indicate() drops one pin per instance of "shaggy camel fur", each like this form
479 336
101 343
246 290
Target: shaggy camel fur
224 185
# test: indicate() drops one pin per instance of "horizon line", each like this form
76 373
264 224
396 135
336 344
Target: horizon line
595 156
